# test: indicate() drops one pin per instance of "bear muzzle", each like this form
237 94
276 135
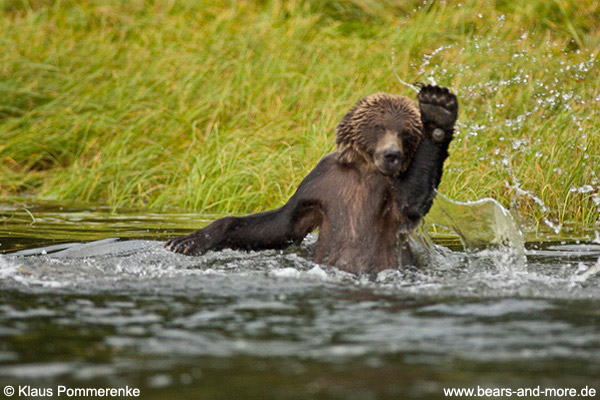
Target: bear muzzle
388 154
388 161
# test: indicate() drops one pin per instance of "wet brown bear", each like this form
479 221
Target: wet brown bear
365 197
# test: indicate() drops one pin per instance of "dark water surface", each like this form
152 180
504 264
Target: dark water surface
273 324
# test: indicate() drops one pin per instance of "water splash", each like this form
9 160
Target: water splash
583 189
587 273
413 87
596 237
490 263
548 100
520 192
483 225
426 60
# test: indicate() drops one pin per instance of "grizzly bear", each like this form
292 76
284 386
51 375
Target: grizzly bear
365 197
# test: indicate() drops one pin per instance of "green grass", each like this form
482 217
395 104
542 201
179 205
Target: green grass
223 107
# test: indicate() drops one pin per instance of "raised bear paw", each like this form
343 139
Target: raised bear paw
439 109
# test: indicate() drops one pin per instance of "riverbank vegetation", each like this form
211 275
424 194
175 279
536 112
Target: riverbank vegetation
224 106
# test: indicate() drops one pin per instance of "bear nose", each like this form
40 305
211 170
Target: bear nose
392 156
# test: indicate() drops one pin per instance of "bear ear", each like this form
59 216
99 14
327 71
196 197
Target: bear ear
347 149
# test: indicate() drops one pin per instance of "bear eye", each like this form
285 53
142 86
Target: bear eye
378 128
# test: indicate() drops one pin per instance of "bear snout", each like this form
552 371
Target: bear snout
388 160
392 156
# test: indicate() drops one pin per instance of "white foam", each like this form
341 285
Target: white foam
317 272
286 273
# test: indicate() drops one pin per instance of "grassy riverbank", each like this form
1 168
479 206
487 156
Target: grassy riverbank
223 107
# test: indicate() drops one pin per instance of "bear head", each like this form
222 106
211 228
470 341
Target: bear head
381 130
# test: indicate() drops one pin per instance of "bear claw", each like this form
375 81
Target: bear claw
189 245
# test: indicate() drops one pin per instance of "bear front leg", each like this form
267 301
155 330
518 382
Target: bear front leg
439 110
275 229
416 187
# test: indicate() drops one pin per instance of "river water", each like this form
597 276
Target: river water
483 312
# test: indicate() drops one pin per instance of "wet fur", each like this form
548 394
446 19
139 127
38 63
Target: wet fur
353 137
363 215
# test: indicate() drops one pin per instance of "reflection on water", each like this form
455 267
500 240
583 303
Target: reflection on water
273 324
